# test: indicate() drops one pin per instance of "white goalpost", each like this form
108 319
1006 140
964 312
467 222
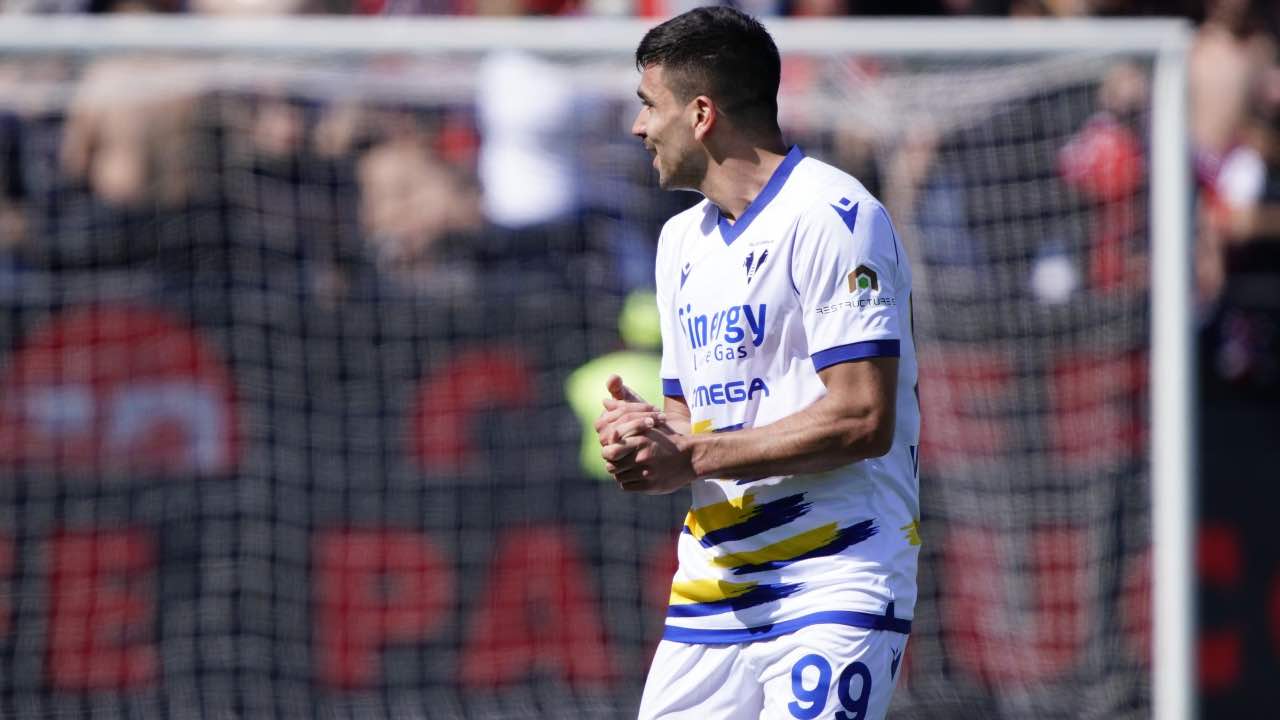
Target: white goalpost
291 215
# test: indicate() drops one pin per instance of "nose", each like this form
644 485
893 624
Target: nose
637 125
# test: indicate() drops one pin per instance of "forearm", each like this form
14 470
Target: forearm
681 425
677 415
816 439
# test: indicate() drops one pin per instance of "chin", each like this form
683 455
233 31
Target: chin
670 183
684 175
671 179
665 180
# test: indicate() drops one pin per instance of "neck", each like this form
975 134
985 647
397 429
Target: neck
734 178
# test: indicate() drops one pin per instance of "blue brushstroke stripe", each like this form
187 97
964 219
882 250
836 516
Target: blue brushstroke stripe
845 538
767 516
856 351
756 596
671 388
852 618
730 428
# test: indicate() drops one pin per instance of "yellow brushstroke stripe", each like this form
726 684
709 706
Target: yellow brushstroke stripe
685 592
703 520
784 550
912 529
702 426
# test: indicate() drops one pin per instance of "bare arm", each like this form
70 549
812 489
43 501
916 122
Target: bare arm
677 415
853 421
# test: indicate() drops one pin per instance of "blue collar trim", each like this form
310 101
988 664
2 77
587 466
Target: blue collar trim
730 232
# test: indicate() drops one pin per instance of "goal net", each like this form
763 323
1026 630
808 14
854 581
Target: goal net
297 319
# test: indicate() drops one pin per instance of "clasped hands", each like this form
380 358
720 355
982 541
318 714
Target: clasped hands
640 449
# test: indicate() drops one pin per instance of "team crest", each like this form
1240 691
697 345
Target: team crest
863 278
753 264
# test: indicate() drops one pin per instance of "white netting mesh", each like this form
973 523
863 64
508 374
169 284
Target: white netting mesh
283 421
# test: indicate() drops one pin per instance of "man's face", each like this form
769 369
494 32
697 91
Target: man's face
665 125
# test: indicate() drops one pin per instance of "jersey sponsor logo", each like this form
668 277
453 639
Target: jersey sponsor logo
859 303
863 278
865 283
734 391
734 324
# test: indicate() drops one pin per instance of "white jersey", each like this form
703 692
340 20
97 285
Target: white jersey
811 275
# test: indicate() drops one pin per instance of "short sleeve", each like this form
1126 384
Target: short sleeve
663 269
845 266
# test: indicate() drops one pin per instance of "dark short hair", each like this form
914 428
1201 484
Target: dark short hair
720 52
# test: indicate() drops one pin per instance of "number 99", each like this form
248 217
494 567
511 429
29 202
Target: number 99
810 702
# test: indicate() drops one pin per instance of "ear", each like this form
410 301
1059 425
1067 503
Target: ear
705 115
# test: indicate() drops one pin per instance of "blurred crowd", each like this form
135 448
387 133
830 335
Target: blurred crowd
622 8
422 199
1235 135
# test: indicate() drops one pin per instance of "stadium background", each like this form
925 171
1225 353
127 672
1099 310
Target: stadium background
284 427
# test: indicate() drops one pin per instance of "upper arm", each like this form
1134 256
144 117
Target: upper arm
851 283
864 391
862 386
852 289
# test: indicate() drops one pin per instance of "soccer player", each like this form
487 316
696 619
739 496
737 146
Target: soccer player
790 408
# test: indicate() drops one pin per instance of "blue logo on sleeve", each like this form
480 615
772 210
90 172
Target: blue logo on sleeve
848 212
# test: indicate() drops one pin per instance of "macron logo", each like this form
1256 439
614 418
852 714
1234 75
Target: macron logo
848 212
684 274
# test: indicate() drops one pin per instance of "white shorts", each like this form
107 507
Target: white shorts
820 671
